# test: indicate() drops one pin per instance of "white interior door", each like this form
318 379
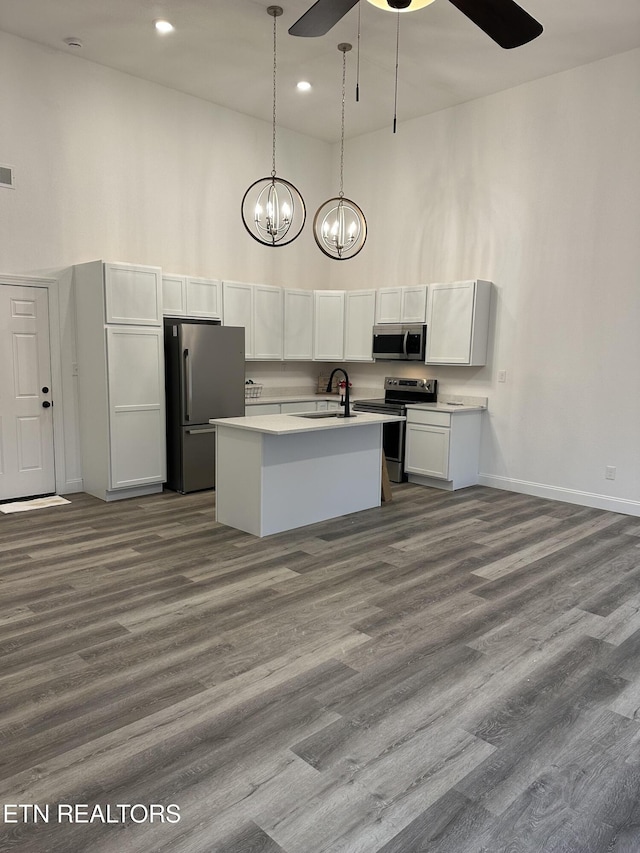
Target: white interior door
26 423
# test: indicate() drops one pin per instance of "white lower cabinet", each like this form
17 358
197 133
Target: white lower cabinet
291 408
261 409
443 448
303 406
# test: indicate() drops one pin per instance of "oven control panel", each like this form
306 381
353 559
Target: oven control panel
401 383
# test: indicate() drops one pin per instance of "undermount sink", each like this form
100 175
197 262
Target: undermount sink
321 415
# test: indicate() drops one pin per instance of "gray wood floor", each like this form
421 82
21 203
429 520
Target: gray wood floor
451 673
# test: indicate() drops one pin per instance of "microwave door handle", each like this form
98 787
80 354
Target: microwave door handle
188 384
404 344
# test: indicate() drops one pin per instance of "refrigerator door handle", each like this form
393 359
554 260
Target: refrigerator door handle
188 384
201 430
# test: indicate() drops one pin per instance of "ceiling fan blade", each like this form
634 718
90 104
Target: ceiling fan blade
319 19
502 20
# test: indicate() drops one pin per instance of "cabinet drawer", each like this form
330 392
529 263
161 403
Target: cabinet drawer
441 419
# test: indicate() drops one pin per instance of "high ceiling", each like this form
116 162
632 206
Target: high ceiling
221 51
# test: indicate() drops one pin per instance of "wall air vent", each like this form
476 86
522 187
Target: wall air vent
7 177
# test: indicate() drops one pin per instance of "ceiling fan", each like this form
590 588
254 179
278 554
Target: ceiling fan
502 20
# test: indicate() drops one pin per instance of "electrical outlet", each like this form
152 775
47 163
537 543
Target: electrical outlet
502 376
610 472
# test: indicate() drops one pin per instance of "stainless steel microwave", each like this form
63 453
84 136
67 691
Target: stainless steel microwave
399 342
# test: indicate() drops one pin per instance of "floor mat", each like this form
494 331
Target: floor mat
36 503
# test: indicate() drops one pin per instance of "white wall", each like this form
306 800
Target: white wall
110 166
536 189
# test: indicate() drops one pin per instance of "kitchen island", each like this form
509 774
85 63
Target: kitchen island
278 472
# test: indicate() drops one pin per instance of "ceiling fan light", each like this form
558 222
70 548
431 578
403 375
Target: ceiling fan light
415 4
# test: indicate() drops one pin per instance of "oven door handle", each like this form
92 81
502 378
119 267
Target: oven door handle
404 344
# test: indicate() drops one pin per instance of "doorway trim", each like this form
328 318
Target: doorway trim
51 284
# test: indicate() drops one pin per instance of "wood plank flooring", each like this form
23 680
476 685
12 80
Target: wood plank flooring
449 673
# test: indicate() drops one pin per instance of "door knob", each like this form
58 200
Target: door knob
46 404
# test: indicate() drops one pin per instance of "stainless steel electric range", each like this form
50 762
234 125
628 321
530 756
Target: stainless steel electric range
398 392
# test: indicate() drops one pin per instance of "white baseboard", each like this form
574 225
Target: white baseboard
555 493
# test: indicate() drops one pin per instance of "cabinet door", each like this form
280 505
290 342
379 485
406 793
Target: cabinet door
389 305
133 294
298 325
414 304
174 295
328 337
136 406
428 451
238 310
449 323
360 312
267 322
204 298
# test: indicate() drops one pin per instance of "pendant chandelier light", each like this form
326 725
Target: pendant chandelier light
273 210
339 226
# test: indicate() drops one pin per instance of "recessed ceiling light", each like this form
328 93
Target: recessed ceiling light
163 26
303 86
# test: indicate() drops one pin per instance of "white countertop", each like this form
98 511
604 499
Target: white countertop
288 424
451 408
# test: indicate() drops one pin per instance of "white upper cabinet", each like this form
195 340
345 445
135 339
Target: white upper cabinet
204 298
458 322
238 310
267 322
414 304
402 304
133 294
389 305
174 295
298 325
360 313
185 296
328 327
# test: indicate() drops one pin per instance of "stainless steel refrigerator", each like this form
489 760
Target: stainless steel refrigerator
204 375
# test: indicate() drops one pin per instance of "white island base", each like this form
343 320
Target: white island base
272 480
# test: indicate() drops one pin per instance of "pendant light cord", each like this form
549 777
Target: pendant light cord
273 161
344 80
358 57
395 97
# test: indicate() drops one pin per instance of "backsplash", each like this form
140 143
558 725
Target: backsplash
298 378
